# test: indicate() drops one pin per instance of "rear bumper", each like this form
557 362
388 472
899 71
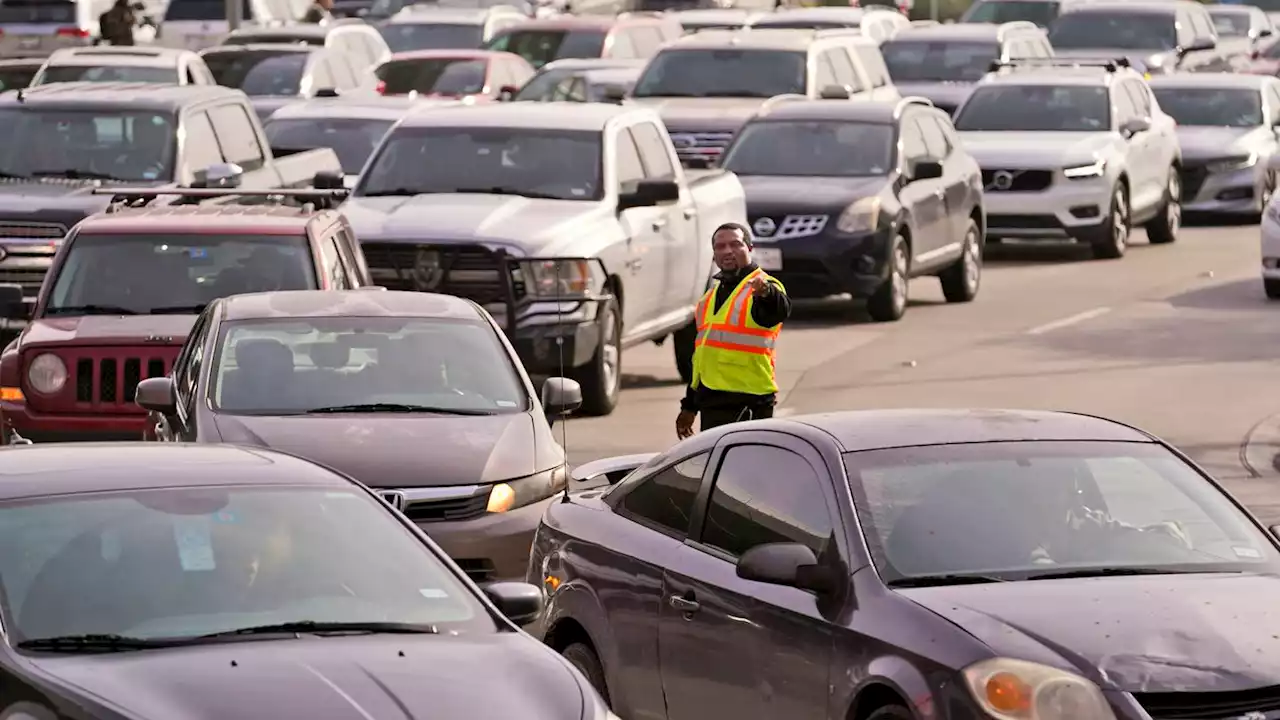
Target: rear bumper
493 547
42 428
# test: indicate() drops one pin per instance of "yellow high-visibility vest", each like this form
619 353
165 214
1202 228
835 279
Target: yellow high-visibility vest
733 353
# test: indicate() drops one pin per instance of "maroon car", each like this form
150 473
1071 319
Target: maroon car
477 75
126 286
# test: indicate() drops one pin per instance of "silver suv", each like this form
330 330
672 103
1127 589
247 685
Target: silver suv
1074 151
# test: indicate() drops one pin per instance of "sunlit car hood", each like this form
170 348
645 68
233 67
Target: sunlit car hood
1035 149
439 677
944 94
1158 633
109 330
1202 143
769 194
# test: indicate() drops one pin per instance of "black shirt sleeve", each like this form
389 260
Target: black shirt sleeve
690 401
771 307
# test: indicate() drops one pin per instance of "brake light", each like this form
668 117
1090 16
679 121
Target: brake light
381 87
74 32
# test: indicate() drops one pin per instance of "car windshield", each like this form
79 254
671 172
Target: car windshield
1230 24
540 47
403 37
435 76
15 77
352 139
1013 510
544 85
203 10
1219 107
939 61
277 367
113 143
108 73
723 73
186 562
1116 30
547 164
1065 108
153 273
259 72
1039 12
821 148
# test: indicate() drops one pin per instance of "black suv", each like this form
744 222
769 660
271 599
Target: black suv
835 207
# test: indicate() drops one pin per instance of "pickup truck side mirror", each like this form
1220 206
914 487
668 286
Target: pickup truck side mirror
790 564
926 170
614 94
507 93
834 92
328 180
156 394
560 396
326 92
12 303
219 175
1134 126
649 193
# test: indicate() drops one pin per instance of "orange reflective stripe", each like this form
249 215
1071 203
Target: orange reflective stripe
737 348
738 309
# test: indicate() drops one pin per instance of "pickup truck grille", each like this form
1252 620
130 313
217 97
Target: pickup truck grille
700 147
24 258
467 271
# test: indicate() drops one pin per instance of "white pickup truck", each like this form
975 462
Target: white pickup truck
574 225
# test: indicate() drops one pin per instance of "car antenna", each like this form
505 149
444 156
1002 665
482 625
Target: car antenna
564 421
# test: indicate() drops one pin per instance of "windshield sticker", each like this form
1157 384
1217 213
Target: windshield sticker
434 593
1247 552
226 517
195 547
150 175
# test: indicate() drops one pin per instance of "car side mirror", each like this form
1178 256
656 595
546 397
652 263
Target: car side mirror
926 170
834 92
648 193
328 180
790 564
614 94
1134 126
519 602
507 93
610 469
560 396
156 394
219 175
12 302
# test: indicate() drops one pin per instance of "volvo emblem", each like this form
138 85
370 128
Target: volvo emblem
683 142
394 498
427 272
1002 180
764 226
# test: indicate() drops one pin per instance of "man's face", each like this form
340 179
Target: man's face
731 250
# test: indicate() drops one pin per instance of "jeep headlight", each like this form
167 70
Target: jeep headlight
1238 162
1094 169
512 494
47 374
1010 689
861 216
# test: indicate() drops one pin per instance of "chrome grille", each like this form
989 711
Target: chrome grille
32 231
700 146
437 504
1014 180
24 259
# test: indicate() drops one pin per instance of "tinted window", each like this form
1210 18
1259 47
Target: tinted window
1230 24
187 562
723 73
353 140
402 37
540 47
1036 107
1011 509
784 24
918 61
270 367
108 73
558 164
437 76
232 69
332 265
38 12
237 136
1222 107
1116 29
653 151
250 38
16 77
113 142
202 10
200 146
765 495
799 148
666 498
541 86
1038 12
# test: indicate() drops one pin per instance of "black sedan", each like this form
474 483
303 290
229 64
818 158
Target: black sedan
914 564
152 582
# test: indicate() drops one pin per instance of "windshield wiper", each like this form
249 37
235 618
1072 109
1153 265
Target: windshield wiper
74 643
313 626
177 310
73 174
507 191
394 408
90 310
933 580
1102 572
395 192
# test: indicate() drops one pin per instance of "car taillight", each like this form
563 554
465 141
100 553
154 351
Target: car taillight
73 32
381 87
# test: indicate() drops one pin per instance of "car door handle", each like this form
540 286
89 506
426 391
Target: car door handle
684 605
659 224
690 213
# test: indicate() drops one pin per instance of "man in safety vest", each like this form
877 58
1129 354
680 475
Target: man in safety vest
739 320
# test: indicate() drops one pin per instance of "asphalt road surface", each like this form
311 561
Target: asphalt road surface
1177 339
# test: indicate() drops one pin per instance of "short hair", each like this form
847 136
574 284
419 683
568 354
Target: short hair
739 227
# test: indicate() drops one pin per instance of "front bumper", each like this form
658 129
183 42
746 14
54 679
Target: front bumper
494 546
1066 209
1234 191
49 428
829 263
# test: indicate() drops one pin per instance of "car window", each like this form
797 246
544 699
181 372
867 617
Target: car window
118 142
938 60
630 169
764 494
200 145
1125 107
540 47
914 148
1212 107
237 136
1141 98
15 77
825 76
108 73
653 152
620 46
448 76
665 499
187 366
817 148
1040 12
1118 29
333 269
259 71
873 63
352 139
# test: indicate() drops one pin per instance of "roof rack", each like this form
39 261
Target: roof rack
902 105
779 99
130 198
1110 64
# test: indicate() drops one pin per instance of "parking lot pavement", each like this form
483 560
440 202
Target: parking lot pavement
1178 339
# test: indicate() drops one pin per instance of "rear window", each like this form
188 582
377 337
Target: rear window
421 36
1037 11
258 70
540 47
437 76
352 139
62 13
202 10
109 73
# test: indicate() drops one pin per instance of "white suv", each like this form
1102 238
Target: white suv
1073 150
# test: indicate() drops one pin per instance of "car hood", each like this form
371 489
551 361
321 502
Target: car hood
353 678
1035 149
1140 60
398 451
264 105
1205 143
767 195
1158 633
948 95
520 225
109 330
698 114
64 202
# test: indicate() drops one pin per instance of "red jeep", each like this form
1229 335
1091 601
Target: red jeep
126 287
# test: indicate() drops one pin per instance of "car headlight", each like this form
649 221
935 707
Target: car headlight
558 278
862 216
47 374
1094 169
1010 689
512 494
1239 162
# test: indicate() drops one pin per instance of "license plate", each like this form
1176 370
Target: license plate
768 258
28 43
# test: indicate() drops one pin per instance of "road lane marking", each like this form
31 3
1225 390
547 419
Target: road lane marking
1068 321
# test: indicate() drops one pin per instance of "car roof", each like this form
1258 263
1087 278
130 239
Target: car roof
556 116
209 218
41 470
134 95
346 303
450 54
1152 7
296 30
1206 80
439 16
868 112
108 56
715 15
798 40
372 108
1054 75
259 47
955 31
816 14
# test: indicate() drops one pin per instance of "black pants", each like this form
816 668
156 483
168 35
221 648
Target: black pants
715 417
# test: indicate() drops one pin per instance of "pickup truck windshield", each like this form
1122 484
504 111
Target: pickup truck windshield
818 148
540 47
141 274
919 61
274 367
533 162
451 76
1117 30
1212 107
111 143
723 73
1040 12
352 139
108 73
259 72
1049 108
402 37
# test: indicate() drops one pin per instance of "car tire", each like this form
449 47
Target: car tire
961 281
1111 241
889 302
1272 286
891 712
601 377
682 342
1163 228
583 657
